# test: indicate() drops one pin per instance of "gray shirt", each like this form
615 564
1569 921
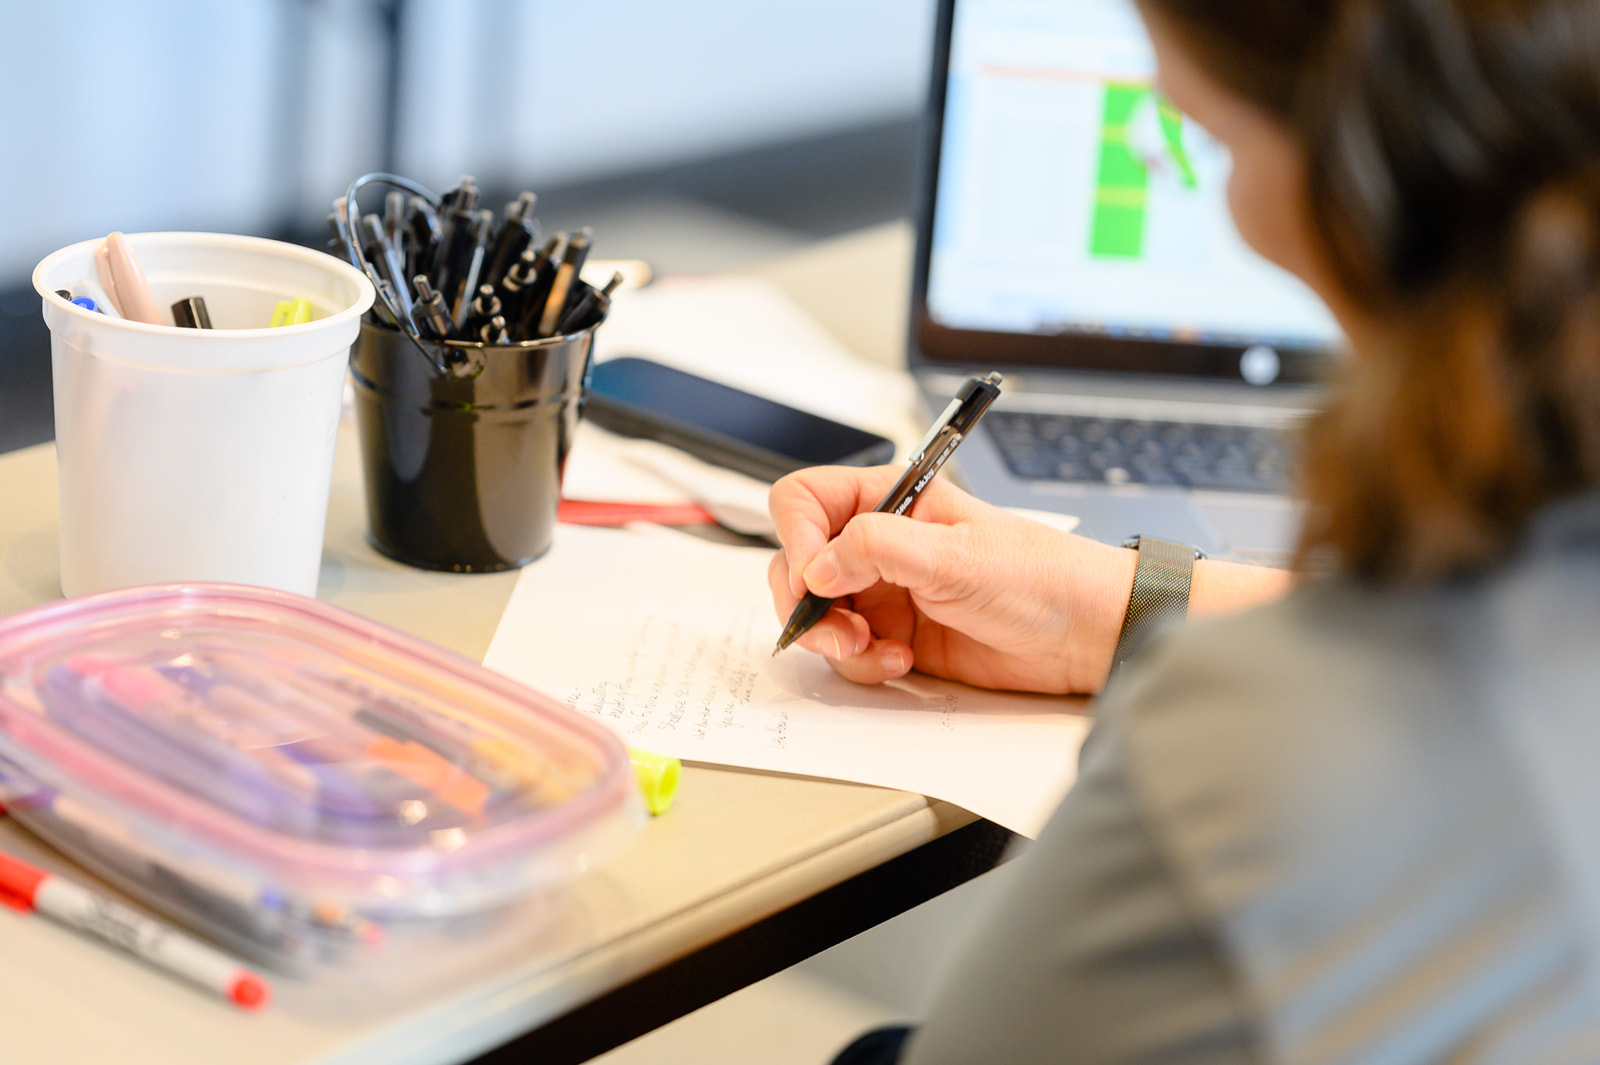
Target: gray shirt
1353 826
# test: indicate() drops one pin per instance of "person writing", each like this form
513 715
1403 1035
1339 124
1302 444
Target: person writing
1356 822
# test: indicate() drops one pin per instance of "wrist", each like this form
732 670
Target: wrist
1109 572
1158 596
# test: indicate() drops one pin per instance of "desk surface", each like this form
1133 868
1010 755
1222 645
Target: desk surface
738 846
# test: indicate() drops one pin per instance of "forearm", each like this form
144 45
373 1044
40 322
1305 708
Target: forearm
1227 587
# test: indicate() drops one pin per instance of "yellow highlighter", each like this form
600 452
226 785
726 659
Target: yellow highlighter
658 779
291 312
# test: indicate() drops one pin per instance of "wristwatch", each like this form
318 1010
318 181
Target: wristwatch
1161 580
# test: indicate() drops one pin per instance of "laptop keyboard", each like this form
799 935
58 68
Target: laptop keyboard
1118 451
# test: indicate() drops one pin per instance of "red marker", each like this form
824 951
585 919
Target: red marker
25 887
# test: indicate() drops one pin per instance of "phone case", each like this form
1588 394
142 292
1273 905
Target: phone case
635 420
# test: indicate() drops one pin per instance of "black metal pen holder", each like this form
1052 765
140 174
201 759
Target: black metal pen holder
465 427
463 470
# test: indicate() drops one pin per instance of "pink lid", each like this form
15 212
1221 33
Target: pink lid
251 733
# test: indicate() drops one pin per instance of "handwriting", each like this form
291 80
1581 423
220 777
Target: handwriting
694 683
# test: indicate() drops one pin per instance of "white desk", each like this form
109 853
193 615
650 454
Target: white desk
739 851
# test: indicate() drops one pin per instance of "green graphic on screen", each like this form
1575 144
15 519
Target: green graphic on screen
1122 182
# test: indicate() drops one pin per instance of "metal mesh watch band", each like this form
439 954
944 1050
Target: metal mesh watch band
1160 593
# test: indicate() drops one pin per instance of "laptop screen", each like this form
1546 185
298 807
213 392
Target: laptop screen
1071 217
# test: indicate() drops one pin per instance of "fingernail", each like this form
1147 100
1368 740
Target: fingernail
838 648
824 569
895 660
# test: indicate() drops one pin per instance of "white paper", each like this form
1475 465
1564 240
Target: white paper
668 640
607 468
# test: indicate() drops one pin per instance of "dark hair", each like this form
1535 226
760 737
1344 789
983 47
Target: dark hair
1453 161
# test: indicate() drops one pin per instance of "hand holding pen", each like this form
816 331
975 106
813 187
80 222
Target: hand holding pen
966 590
948 430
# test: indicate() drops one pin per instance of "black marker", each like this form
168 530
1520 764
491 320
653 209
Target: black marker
191 313
948 431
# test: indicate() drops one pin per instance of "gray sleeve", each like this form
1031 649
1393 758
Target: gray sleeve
1091 956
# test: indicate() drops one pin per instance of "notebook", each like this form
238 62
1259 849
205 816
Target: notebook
1073 233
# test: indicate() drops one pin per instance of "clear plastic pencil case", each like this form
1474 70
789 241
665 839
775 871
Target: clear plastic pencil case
314 791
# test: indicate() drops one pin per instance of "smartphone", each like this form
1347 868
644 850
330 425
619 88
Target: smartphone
727 426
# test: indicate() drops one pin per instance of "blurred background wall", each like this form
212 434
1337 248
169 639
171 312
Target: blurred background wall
252 115
701 135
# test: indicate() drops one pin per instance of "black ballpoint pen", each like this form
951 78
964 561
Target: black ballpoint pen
458 219
949 429
384 259
466 279
565 281
591 306
429 312
485 305
516 232
420 233
394 223
545 266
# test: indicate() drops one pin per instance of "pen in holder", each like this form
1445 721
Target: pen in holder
466 405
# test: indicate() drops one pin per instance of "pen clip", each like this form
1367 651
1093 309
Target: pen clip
939 425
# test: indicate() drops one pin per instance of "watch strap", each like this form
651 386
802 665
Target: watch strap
1161 582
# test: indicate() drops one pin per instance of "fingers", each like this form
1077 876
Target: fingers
930 560
836 545
811 506
881 660
843 637
840 633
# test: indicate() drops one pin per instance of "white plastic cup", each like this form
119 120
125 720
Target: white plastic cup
199 454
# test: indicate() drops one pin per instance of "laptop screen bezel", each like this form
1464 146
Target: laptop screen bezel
934 345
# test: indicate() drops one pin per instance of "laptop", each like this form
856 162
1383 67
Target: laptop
1073 233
